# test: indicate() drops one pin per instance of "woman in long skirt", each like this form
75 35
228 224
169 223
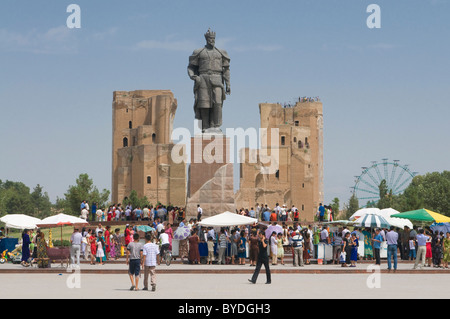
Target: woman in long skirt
354 254
306 247
254 249
194 254
242 250
429 251
25 248
100 252
183 249
347 248
274 248
280 248
112 250
93 244
42 251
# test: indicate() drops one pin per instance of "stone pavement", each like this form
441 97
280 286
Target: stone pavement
183 281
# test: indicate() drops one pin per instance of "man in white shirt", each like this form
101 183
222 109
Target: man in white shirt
159 226
84 214
277 210
75 240
297 244
211 233
324 235
283 213
199 213
99 214
150 251
145 213
98 229
165 244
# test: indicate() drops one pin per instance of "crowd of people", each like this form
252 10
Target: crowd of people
282 213
263 243
116 212
422 245
302 99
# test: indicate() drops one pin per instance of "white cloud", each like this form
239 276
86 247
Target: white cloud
382 46
101 35
176 45
55 40
259 47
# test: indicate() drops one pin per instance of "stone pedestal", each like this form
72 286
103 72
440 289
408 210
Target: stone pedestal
210 176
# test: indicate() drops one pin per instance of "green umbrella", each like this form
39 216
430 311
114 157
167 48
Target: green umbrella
423 215
145 228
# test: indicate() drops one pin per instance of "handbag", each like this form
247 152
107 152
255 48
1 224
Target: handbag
342 257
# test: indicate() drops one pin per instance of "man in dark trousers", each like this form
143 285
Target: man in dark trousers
263 258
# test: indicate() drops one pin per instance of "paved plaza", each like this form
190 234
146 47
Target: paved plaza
181 281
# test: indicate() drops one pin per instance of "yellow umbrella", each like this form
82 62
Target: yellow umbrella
423 215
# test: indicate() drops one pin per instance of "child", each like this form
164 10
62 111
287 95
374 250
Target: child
210 244
412 248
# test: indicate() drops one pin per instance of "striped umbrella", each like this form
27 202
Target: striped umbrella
372 221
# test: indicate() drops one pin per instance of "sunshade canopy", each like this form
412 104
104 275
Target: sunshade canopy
20 221
423 215
61 220
227 219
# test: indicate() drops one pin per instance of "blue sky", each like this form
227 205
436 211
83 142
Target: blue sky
385 92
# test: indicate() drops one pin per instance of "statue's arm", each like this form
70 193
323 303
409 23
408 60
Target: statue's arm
192 72
226 71
193 65
226 79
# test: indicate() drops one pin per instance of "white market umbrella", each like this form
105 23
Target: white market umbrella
395 221
20 221
227 219
363 211
61 220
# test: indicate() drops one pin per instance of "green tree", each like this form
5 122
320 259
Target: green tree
385 196
41 202
15 198
352 207
431 191
135 201
335 206
83 190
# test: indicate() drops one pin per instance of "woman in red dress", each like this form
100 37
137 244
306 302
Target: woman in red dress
127 235
429 253
108 241
169 232
93 244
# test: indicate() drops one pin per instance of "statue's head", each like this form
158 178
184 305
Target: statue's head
210 37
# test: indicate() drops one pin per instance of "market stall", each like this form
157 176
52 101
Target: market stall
16 221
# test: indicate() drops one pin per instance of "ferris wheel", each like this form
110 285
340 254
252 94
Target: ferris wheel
396 176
